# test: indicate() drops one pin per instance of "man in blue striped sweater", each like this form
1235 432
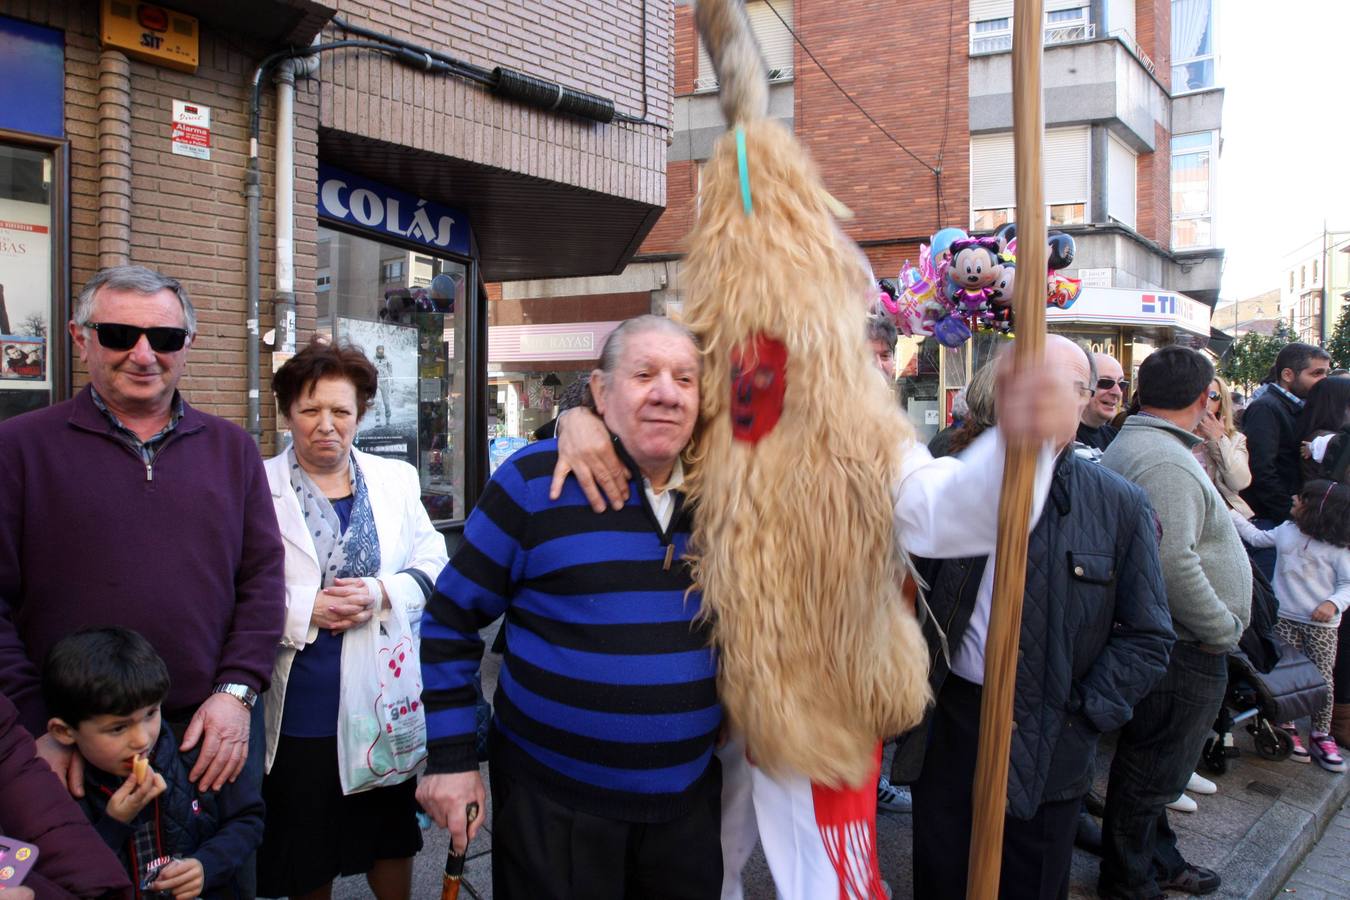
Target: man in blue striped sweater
603 777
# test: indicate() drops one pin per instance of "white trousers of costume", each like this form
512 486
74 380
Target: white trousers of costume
817 847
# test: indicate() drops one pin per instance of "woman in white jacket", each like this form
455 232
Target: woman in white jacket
359 547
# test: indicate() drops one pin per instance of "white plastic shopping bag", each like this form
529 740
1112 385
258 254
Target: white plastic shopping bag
382 728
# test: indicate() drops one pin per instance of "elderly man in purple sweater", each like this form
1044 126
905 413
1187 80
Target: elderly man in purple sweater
126 506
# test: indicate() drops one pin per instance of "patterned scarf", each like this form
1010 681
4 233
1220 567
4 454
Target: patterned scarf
353 553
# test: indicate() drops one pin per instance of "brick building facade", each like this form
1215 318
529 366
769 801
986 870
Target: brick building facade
379 137
937 78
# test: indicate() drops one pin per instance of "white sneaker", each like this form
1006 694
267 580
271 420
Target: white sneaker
1184 803
892 799
1201 785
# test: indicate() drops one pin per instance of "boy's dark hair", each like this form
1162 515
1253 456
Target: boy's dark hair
102 671
1173 378
1296 356
1325 513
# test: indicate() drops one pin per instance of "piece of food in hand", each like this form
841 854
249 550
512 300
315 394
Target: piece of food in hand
141 768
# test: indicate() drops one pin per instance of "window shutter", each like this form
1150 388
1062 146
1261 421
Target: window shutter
1120 172
1066 156
984 10
775 41
1067 164
991 171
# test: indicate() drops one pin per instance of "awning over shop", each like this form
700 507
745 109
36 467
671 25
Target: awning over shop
280 22
1121 306
1219 342
525 227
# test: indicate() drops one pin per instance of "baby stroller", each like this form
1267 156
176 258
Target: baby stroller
1269 682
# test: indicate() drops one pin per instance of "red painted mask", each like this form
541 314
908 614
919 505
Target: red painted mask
758 382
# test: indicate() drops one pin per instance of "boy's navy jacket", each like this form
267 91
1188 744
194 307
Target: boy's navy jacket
221 828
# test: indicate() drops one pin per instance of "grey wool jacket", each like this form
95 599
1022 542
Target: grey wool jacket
1205 567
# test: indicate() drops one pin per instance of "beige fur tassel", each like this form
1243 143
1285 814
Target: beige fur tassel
793 542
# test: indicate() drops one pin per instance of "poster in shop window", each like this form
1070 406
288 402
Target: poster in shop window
389 428
25 293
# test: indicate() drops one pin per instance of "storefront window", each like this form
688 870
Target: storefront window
405 309
27 250
917 369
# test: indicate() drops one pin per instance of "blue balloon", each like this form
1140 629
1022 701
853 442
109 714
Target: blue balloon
943 240
951 331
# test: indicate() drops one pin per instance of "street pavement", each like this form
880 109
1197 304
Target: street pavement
1323 874
1260 832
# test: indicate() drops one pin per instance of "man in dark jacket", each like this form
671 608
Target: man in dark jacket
1095 638
1269 423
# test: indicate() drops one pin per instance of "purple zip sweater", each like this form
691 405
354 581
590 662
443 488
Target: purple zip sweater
185 551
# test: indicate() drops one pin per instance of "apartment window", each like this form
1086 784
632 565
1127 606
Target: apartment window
1193 54
1193 177
1314 274
392 270
991 24
1060 17
1302 276
775 42
992 191
1291 279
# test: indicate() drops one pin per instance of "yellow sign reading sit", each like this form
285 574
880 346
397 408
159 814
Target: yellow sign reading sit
151 33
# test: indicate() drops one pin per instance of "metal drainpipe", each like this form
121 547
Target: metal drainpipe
252 192
283 304
114 159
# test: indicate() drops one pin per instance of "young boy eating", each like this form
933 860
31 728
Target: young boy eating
103 688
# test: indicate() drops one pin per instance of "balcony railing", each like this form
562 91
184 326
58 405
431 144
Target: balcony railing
1001 41
709 82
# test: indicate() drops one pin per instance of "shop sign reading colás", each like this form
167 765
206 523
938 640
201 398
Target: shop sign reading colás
349 198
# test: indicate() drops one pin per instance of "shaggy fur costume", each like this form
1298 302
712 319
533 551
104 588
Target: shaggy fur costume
794 545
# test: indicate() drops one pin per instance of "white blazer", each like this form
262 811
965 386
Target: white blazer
407 541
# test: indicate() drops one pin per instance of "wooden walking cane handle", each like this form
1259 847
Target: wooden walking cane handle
454 862
1015 501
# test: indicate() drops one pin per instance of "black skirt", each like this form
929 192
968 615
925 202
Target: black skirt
314 834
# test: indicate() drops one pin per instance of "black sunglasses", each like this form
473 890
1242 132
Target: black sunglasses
115 336
1214 395
1105 384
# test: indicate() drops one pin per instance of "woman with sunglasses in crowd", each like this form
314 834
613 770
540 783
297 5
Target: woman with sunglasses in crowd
1223 455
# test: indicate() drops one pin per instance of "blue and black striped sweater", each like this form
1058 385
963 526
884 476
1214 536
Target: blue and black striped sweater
607 698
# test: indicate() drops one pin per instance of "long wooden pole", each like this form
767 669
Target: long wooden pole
1014 511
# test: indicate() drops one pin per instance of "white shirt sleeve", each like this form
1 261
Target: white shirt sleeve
948 508
1318 446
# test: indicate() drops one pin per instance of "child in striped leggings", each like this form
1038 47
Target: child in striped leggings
1312 583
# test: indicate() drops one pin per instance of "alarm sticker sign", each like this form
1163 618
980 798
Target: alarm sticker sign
191 130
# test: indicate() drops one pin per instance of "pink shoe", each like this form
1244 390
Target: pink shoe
1300 753
1328 756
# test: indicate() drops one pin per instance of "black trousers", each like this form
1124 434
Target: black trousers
1155 756
543 850
1037 852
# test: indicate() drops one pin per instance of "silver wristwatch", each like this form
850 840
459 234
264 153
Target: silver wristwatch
241 692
